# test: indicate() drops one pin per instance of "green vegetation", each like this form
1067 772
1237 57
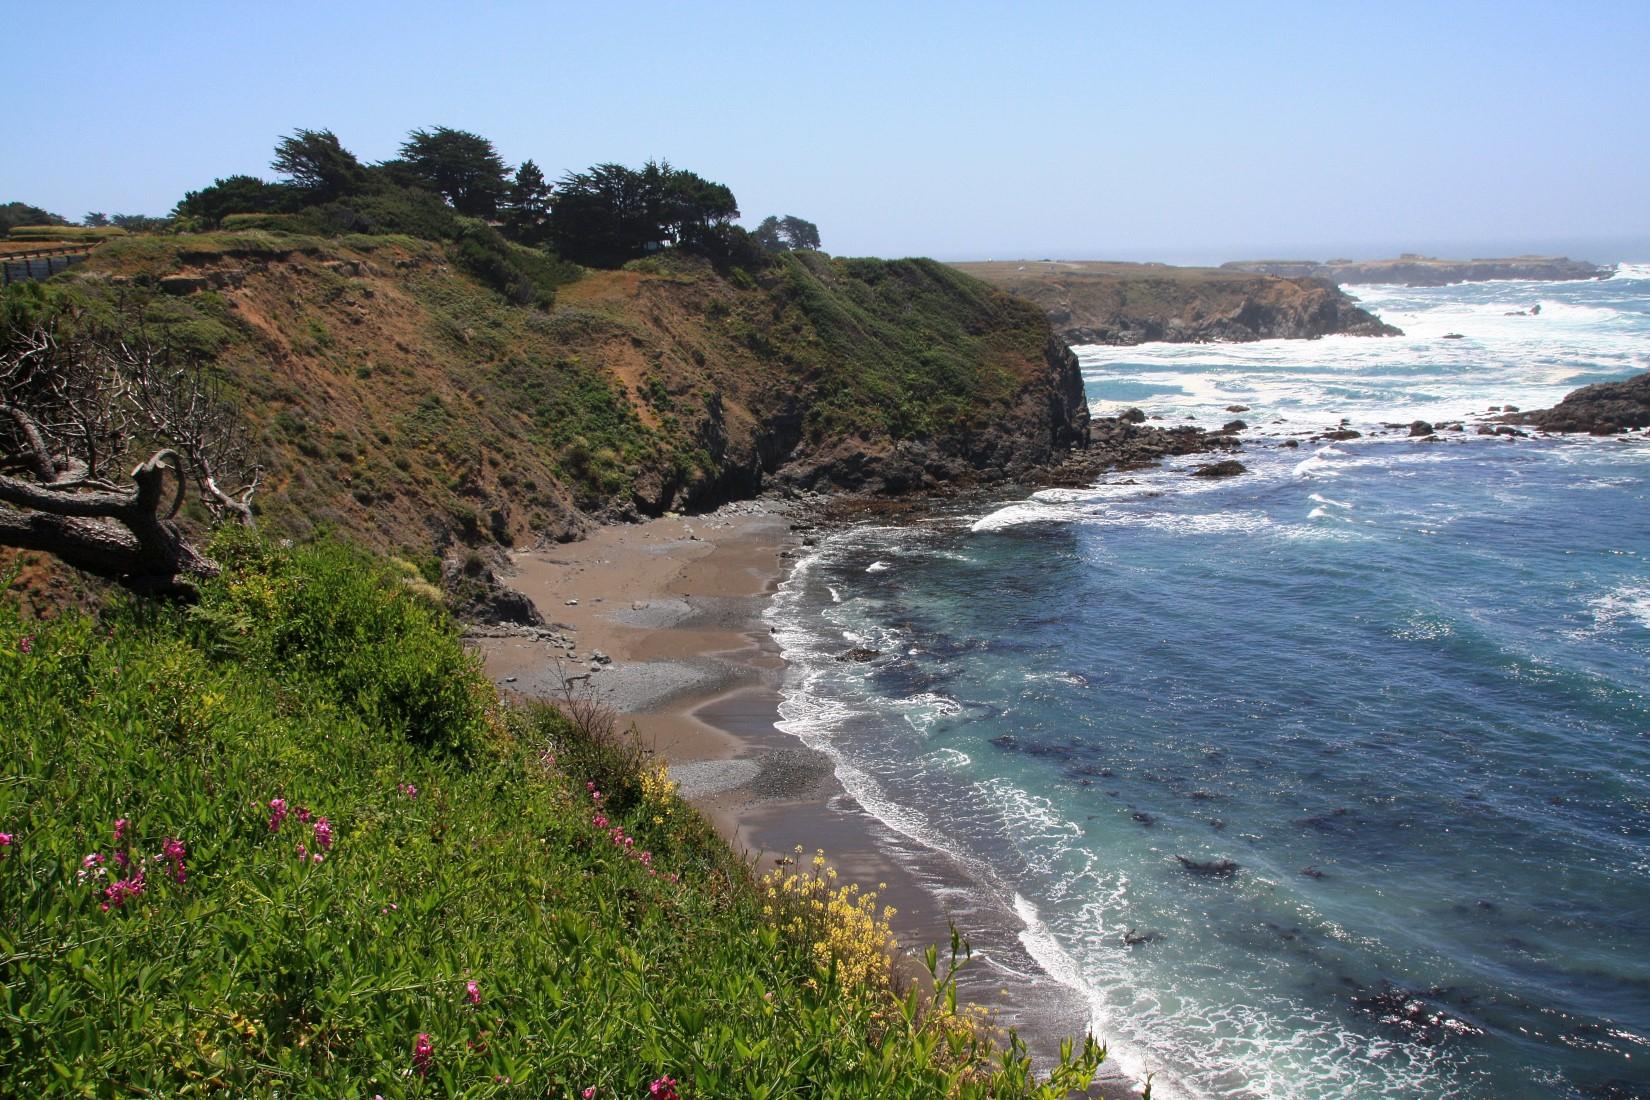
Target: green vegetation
13 214
289 843
67 233
786 234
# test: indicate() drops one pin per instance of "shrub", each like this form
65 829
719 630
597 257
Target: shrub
340 617
68 233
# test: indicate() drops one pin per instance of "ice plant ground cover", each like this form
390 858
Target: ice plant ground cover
351 871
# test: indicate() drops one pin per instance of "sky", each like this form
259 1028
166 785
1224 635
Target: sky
1174 131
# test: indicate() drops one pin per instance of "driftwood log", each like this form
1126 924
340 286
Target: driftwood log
78 405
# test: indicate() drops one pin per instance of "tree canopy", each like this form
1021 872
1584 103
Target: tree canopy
21 213
611 213
786 234
463 167
234 195
527 215
319 165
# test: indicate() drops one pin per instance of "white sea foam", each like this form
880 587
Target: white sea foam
878 567
1629 603
1631 271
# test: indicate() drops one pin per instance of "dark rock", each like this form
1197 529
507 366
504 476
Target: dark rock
1233 426
1420 427
1135 939
1132 416
1213 868
1340 434
859 655
183 284
1237 408
1604 408
1414 1012
1311 872
1290 443
1453 336
1144 818
1229 468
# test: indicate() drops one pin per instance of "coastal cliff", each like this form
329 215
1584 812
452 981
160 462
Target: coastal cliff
1415 270
395 399
1116 303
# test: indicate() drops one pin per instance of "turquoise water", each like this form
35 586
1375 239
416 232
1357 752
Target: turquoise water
1403 686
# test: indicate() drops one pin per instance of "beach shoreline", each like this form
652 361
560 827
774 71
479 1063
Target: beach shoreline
666 625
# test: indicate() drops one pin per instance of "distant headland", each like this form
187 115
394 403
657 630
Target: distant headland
1096 302
1413 269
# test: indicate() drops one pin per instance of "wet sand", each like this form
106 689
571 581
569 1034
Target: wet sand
676 606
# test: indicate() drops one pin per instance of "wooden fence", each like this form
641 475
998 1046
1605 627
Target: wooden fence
40 263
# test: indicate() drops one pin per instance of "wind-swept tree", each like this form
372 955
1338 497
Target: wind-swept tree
786 234
79 407
319 165
463 167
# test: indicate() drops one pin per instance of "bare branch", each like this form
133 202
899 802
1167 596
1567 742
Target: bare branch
76 402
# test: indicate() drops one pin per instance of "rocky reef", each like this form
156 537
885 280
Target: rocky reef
1412 269
1604 408
1116 303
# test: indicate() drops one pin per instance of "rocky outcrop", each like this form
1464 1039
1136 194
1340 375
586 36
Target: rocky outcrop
1115 303
1601 409
1415 270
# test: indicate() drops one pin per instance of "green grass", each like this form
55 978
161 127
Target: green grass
248 967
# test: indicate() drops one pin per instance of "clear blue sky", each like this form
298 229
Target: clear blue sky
1179 131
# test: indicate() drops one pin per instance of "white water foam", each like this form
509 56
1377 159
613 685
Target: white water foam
1627 604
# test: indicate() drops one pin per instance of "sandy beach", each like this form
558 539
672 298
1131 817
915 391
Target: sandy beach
662 621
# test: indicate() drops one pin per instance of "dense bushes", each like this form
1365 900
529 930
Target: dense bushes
229 865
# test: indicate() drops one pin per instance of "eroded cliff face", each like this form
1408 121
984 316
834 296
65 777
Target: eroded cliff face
395 400
1426 270
1110 303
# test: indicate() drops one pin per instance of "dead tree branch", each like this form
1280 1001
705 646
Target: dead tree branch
76 403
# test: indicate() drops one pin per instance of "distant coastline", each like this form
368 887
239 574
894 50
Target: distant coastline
1413 269
1098 302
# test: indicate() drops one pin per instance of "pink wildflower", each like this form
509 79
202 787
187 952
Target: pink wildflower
664 1088
407 789
303 853
472 993
589 1093
121 891
304 814
25 644
599 821
120 828
6 841
316 857
423 1054
123 860
174 851
323 834
277 814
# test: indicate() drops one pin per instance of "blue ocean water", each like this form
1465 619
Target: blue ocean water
1403 686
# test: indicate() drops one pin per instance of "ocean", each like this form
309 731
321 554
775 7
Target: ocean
1328 780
